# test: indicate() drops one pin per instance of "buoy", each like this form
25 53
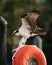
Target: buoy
27 52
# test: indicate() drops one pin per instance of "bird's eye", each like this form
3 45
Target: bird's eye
15 32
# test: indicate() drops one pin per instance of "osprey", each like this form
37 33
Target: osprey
28 29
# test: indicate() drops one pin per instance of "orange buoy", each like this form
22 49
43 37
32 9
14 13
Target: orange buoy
26 52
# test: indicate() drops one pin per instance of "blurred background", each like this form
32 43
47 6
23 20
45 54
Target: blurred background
11 10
